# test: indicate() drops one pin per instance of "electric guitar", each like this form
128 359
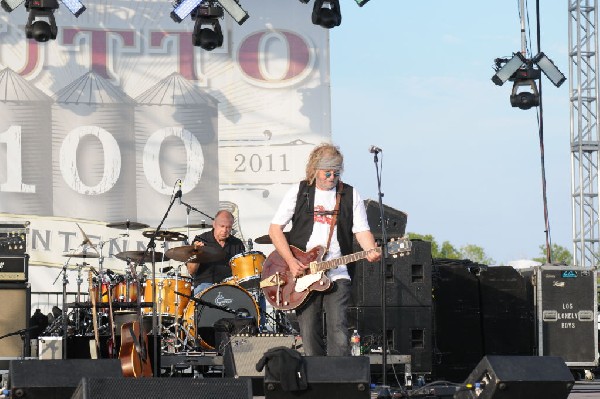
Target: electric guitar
284 291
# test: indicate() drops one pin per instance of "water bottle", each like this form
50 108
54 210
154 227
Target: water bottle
355 344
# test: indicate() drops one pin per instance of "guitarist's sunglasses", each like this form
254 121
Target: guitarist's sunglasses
334 174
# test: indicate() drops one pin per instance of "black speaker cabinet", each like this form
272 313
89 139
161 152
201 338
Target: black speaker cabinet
160 388
409 331
519 377
15 311
345 377
56 379
394 220
407 278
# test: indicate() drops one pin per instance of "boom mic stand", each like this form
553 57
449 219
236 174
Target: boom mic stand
151 248
384 255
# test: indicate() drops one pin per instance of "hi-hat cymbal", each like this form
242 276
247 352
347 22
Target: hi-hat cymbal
188 253
165 235
82 255
138 256
127 225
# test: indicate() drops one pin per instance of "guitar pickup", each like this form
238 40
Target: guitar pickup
273 281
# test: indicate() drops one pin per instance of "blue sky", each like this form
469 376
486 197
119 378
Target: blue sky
414 79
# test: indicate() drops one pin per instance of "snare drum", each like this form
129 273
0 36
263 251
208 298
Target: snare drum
168 303
230 296
246 268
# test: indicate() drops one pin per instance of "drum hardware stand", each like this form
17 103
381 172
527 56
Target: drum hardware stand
188 209
65 282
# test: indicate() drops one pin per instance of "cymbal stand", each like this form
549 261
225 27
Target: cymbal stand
65 282
78 298
188 209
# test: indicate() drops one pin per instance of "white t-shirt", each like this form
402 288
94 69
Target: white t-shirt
324 201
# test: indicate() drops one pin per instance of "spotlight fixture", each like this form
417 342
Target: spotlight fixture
523 73
326 13
184 8
361 2
41 24
207 30
550 70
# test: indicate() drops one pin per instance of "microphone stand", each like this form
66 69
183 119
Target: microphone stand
151 248
384 255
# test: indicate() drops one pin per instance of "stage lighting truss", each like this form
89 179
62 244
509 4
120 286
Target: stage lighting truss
184 8
523 73
41 24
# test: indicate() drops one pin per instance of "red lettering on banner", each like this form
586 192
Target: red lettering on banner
33 57
99 46
249 55
186 51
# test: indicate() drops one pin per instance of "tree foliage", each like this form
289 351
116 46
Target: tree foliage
448 251
559 255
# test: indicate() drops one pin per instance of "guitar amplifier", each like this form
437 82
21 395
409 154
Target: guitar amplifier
13 238
14 268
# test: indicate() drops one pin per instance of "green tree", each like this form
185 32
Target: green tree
559 254
476 254
448 251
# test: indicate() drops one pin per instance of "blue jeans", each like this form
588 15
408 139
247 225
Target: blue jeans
334 303
201 287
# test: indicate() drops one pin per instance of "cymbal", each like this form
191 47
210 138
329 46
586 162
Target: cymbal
137 256
197 226
263 240
127 225
267 240
82 255
165 235
188 253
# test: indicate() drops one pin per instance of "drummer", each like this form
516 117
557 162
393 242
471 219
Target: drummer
209 273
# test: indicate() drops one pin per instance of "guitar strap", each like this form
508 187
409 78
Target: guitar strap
338 198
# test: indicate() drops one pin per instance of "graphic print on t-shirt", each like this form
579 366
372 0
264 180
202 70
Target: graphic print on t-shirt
321 215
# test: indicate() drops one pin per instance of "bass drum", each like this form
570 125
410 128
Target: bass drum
201 329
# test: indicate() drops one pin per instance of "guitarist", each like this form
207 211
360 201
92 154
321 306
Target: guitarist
310 207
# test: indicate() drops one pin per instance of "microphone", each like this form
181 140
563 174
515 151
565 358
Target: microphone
374 149
250 244
179 194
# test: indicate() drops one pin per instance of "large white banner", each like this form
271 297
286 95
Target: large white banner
97 126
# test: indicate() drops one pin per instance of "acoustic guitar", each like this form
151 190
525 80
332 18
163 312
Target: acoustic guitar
135 360
284 291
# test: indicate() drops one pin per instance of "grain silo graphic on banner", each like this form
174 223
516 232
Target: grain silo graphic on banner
176 138
93 151
25 137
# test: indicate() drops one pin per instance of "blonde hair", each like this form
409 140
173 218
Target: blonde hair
332 156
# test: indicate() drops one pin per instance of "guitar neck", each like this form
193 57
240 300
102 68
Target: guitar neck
330 264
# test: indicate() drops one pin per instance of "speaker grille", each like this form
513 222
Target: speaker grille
160 388
243 353
14 315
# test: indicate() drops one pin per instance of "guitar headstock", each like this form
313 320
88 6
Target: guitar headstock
399 246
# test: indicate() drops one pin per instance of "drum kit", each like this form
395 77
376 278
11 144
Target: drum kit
185 322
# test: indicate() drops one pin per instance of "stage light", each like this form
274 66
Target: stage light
40 29
524 99
361 2
550 70
41 24
505 68
185 7
326 13
207 30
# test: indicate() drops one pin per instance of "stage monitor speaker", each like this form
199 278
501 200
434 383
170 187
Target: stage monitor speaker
160 388
347 377
518 377
242 353
14 316
56 379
